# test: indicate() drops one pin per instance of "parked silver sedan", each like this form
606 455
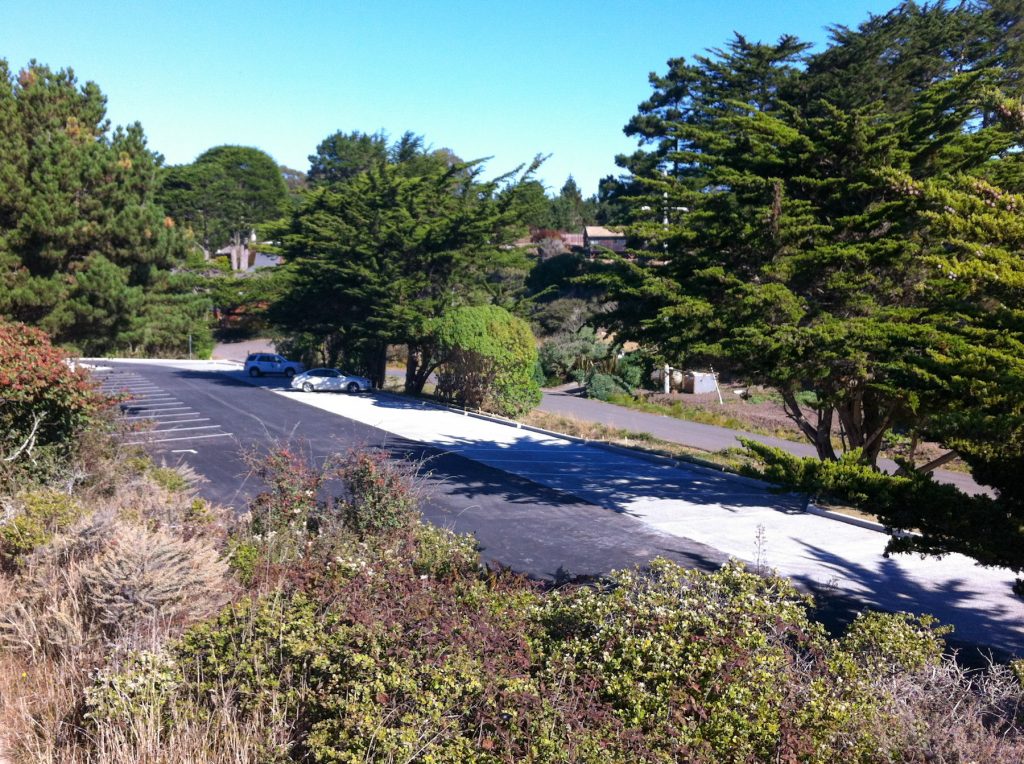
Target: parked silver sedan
330 379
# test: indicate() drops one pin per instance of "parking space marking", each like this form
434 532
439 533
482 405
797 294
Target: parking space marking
164 416
170 440
169 420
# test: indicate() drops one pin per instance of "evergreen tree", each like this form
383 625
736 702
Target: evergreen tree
223 196
813 255
373 259
855 231
83 246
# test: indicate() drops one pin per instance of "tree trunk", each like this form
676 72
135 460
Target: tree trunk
820 435
379 366
865 422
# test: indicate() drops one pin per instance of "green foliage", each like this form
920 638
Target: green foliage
380 497
601 386
374 257
42 514
886 644
222 196
288 509
489 359
942 518
168 478
46 404
85 253
844 232
444 554
660 666
572 355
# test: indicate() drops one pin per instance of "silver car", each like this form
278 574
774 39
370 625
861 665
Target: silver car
258 364
330 379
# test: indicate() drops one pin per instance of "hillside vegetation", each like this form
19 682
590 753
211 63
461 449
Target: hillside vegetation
140 624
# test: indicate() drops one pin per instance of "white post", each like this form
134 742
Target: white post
666 382
718 390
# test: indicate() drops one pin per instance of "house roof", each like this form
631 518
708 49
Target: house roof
600 232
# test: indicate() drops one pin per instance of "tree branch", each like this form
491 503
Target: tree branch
792 409
934 464
30 441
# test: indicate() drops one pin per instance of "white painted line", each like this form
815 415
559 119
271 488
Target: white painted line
164 416
168 405
169 440
184 451
182 429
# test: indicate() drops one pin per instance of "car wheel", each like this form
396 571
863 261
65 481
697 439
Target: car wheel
353 387
254 372
307 387
289 373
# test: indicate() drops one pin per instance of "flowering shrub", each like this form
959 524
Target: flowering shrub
44 403
290 508
380 497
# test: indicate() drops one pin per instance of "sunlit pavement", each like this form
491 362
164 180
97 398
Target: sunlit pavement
737 516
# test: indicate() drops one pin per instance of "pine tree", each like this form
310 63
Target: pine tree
82 243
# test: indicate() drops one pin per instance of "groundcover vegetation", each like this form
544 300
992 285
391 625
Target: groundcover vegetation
330 624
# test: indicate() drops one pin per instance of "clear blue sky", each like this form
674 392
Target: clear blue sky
506 80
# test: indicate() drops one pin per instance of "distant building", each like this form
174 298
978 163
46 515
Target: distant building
597 238
245 256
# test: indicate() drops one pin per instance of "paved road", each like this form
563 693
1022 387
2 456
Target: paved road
552 507
534 529
704 436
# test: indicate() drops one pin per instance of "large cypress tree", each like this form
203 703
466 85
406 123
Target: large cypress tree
856 233
813 254
375 256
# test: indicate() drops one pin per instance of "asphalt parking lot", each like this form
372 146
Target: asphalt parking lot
162 421
737 516
549 505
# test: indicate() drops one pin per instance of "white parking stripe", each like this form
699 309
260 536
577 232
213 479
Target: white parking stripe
183 429
169 440
164 416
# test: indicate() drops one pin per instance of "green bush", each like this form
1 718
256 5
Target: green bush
380 497
43 513
569 354
490 359
602 386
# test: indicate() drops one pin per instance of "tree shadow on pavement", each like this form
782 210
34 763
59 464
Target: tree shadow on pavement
997 621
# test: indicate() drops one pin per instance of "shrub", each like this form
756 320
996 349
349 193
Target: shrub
441 553
43 513
570 355
601 386
283 515
381 498
46 404
147 575
490 357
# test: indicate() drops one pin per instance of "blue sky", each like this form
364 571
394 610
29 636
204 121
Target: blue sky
506 80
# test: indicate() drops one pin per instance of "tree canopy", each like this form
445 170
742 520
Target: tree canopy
373 257
224 195
850 228
85 252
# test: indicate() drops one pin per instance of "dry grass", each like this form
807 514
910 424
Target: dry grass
141 564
